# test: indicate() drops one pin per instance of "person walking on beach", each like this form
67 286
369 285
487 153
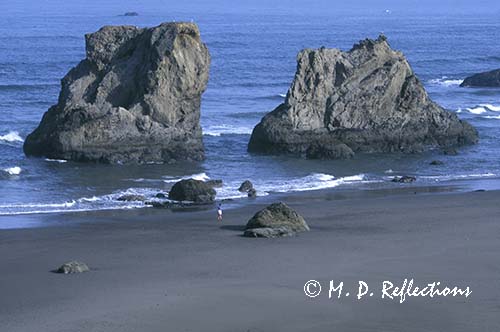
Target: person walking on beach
219 212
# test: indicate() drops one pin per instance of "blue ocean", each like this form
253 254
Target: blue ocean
253 52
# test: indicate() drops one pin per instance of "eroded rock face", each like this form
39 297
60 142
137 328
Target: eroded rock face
365 100
488 79
134 99
276 220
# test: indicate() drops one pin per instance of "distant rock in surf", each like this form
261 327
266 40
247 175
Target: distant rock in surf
252 193
73 267
131 14
276 220
487 79
191 190
365 100
404 179
132 198
245 186
436 163
134 99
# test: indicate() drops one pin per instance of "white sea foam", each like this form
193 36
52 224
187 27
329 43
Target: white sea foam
223 129
439 178
13 170
282 95
477 110
12 136
61 161
490 107
314 181
39 205
389 171
198 176
497 117
445 81
94 203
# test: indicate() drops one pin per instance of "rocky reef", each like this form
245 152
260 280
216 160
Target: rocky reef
135 98
490 79
365 100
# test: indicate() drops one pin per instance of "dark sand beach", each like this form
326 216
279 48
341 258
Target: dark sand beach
157 270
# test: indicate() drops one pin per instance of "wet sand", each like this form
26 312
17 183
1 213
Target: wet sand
155 270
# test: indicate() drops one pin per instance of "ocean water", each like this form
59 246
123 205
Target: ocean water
253 63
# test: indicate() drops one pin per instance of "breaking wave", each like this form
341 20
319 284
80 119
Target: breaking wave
12 137
13 170
445 81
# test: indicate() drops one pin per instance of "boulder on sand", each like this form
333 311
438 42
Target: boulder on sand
193 191
276 220
365 100
489 79
73 267
135 98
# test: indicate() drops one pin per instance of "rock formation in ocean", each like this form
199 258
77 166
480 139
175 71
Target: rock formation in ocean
245 186
134 99
276 220
488 79
365 100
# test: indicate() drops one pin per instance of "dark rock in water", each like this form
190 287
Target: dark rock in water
275 220
252 193
161 196
480 191
404 179
215 183
487 79
436 163
132 198
365 100
245 186
131 14
73 267
325 151
192 190
134 99
450 152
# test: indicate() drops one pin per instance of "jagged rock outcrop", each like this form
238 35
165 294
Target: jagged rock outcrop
365 100
487 79
134 99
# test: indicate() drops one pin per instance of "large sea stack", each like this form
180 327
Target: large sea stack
365 100
135 98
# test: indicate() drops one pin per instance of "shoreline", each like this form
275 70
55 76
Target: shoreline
38 220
